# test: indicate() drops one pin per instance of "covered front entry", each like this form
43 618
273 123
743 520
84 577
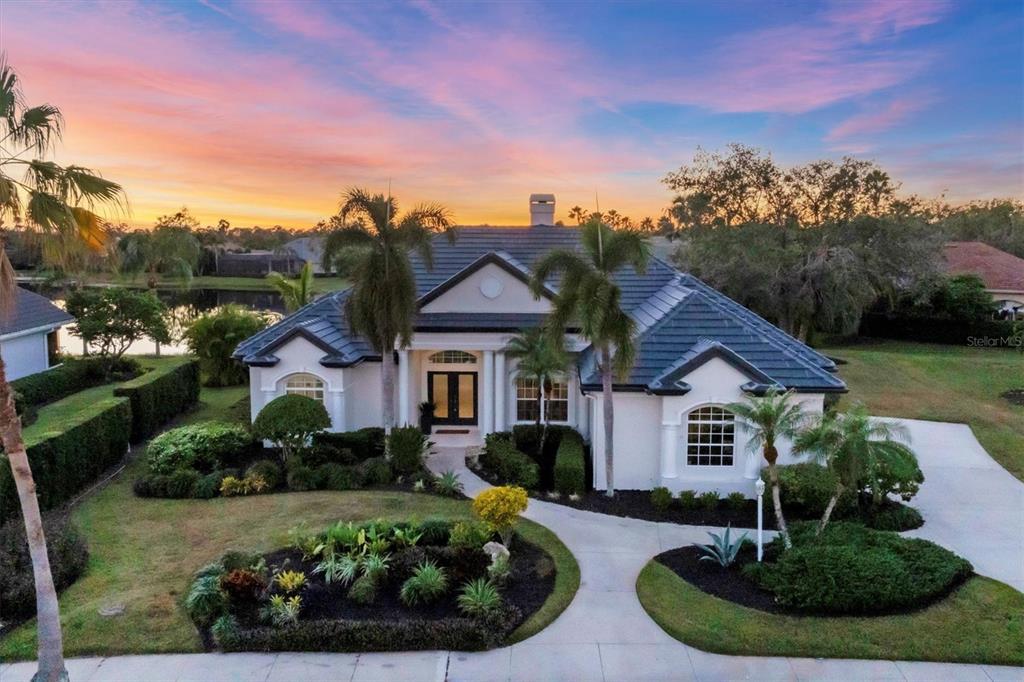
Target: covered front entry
454 395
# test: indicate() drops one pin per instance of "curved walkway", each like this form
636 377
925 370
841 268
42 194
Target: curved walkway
605 635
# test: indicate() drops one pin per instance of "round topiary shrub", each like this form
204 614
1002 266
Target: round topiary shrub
851 569
68 557
202 447
333 476
808 487
290 421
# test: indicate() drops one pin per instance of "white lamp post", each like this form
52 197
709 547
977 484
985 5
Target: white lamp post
759 487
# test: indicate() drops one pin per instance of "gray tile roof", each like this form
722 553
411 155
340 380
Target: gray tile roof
678 317
30 311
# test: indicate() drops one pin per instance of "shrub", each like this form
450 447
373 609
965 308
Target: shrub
852 569
408 446
363 590
360 445
301 478
500 569
269 471
435 531
290 581
243 585
502 459
891 516
736 501
72 376
68 557
284 610
234 560
709 500
500 509
468 535
160 395
338 568
214 336
427 584
333 476
224 627
182 483
203 447
479 599
661 498
375 471
68 457
688 499
448 484
208 486
253 484
206 600
570 477
289 421
808 487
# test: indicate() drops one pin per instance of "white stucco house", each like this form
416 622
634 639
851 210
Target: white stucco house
29 334
698 351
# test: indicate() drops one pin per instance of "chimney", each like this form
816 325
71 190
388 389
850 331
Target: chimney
542 209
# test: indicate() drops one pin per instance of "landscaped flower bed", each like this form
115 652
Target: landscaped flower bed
373 587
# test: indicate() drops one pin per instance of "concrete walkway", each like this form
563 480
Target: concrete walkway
605 635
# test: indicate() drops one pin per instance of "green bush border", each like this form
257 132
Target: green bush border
570 475
160 395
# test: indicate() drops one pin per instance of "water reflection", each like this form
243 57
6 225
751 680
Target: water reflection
184 306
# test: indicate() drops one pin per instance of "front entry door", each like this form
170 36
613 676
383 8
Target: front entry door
454 397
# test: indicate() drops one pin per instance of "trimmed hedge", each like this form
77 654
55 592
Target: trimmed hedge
68 557
74 375
66 461
160 395
503 460
361 444
570 475
458 634
936 329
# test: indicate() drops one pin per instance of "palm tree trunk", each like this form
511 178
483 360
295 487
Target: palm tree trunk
387 372
830 508
609 421
51 644
780 520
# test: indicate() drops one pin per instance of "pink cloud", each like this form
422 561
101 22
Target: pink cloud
878 119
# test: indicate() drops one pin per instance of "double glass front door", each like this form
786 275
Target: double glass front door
454 397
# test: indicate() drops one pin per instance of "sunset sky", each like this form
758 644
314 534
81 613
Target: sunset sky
262 112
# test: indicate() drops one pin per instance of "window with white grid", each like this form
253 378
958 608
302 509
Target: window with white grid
305 384
556 405
710 437
452 357
526 399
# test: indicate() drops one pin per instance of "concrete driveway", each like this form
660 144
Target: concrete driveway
970 504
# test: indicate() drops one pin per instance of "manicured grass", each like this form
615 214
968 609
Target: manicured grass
144 551
941 383
981 622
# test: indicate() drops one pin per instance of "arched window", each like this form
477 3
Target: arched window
710 437
308 385
556 403
452 357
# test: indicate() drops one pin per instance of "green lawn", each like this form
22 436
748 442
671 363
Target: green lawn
982 622
144 551
941 383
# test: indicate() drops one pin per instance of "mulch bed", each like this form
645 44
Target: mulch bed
724 583
1015 396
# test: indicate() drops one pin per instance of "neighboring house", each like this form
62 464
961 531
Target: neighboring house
1002 273
697 351
258 264
308 250
29 335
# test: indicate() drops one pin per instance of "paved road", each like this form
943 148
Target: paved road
971 505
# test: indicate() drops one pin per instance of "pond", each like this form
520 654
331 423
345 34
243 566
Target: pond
185 305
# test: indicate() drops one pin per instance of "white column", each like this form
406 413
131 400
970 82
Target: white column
669 437
499 391
487 413
403 387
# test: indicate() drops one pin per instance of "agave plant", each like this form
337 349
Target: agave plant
722 549
448 484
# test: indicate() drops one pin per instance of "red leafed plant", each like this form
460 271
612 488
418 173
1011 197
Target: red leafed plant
243 585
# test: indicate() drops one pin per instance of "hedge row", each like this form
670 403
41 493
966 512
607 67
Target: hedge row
984 333
502 459
570 475
72 454
160 395
362 444
456 633
74 375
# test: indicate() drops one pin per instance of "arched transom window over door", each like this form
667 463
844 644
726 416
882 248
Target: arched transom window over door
308 385
452 357
710 437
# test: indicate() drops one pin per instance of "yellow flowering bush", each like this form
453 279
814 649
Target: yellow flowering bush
500 508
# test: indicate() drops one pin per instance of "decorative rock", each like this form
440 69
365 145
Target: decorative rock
496 550
112 610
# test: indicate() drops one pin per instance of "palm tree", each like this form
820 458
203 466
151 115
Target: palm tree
856 447
168 249
58 201
374 254
768 418
541 357
578 214
589 296
294 292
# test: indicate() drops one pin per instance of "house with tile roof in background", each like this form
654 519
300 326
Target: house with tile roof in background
697 351
29 335
1002 273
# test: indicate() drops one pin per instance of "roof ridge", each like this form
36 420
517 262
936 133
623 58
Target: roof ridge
263 333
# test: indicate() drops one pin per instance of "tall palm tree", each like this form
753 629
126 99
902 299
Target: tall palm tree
541 357
768 418
589 295
374 254
166 249
58 201
856 447
294 292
